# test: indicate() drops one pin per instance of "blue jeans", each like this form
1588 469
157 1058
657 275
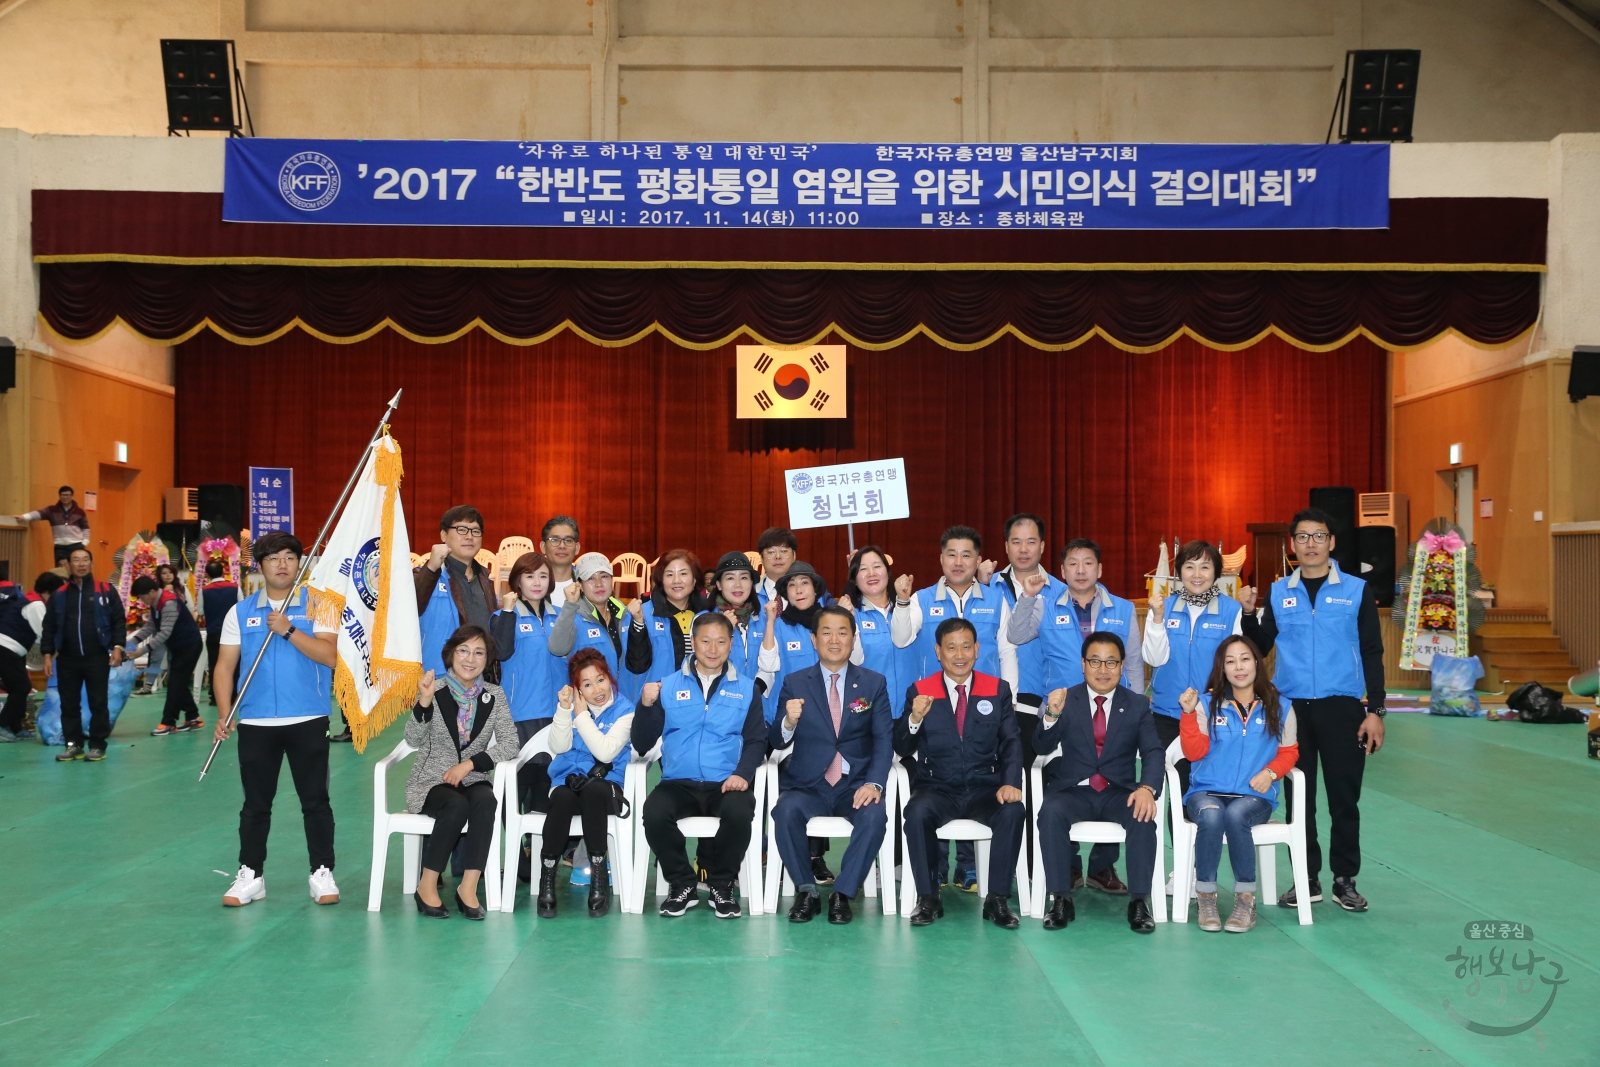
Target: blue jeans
1218 817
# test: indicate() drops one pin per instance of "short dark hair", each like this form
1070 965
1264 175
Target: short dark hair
950 626
48 583
270 544
1077 543
464 633
1198 550
1023 516
460 513
144 584
777 537
710 618
961 533
834 609
558 520
1104 637
80 548
214 569
64 489
1310 515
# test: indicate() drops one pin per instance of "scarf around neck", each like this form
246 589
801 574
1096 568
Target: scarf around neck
1198 600
466 698
806 617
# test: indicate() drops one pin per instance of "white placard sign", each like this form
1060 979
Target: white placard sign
845 493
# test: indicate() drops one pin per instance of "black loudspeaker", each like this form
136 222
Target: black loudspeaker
223 506
200 77
1383 94
8 365
1583 377
180 537
1340 502
1376 546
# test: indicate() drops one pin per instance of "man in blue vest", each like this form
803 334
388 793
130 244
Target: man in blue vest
1025 548
1058 624
283 714
713 735
1330 655
170 626
84 630
452 590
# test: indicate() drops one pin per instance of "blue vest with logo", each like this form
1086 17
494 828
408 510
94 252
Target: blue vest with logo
287 685
532 677
1239 751
1062 641
439 620
591 633
578 759
795 652
701 741
983 612
1319 647
878 653
745 655
1030 656
1191 650
663 656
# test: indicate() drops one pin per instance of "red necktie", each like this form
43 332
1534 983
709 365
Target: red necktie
961 710
1097 780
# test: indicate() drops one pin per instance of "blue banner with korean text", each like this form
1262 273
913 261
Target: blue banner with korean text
819 186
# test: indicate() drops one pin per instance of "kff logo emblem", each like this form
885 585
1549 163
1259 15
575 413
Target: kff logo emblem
309 181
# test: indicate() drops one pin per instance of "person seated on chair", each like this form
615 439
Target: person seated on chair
451 780
529 674
836 715
590 739
1100 727
713 736
1236 753
962 728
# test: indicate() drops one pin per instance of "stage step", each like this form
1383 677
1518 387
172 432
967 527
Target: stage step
1547 643
1516 647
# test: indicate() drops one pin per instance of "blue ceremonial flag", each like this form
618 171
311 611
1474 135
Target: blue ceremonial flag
808 186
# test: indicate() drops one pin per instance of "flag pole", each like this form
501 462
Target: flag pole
305 566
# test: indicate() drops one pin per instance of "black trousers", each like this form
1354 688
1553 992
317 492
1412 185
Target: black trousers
180 684
1327 729
533 777
671 801
14 676
262 750
73 672
213 646
454 808
928 809
1082 803
598 799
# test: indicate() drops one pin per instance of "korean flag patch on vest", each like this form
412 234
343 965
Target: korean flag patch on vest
683 694
254 620
1290 601
1061 620
868 624
524 627
936 612
444 587
660 625
792 646
1173 624
594 631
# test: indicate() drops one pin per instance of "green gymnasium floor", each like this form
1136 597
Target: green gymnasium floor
114 948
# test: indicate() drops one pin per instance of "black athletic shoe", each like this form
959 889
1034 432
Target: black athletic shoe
73 752
724 901
1345 895
819 871
341 737
1289 900
680 898
94 755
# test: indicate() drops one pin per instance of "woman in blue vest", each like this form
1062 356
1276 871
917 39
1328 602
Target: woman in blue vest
734 595
590 616
529 674
658 633
590 739
1239 739
1182 633
869 594
791 620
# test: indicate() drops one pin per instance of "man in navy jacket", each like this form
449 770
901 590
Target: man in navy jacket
962 728
837 717
1100 727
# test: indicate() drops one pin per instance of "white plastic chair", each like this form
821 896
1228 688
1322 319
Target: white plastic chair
1267 836
696 827
415 828
1095 832
630 568
822 826
956 830
619 831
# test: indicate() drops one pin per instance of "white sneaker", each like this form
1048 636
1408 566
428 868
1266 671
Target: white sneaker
1169 885
323 891
247 886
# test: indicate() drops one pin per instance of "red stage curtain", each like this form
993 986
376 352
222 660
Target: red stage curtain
640 443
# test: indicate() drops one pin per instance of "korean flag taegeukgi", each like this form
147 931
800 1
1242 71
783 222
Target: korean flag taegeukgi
363 585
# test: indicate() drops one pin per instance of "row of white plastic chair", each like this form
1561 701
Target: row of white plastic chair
630 853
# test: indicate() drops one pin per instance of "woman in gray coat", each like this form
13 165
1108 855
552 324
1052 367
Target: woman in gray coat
461 727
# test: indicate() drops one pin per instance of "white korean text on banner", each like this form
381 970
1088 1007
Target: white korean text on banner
843 493
778 383
271 500
807 186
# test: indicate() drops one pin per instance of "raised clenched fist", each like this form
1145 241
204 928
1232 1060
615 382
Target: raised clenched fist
574 593
774 606
920 706
1247 599
793 709
508 601
650 693
1189 699
903 587
1158 607
1034 584
436 556
564 698
636 609
986 569
1056 702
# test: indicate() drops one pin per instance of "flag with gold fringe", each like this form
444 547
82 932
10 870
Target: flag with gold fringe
362 584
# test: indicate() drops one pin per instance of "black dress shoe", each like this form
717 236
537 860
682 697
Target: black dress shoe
599 886
432 911
997 909
1061 912
468 910
806 907
1140 921
547 890
929 907
839 909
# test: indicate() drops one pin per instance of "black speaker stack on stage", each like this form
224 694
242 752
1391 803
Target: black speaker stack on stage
201 80
1365 551
1376 546
223 506
1380 87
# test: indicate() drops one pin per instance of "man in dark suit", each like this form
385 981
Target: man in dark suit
962 728
836 715
1100 727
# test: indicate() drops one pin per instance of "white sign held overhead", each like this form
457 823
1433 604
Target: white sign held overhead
845 493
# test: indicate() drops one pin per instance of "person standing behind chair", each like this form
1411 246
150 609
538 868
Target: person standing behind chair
558 543
1239 742
452 590
1100 728
1330 654
69 524
709 721
658 628
869 595
84 630
461 727
734 595
836 716
529 674
590 616
589 737
217 598
791 620
1025 549
961 727
171 628
778 549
